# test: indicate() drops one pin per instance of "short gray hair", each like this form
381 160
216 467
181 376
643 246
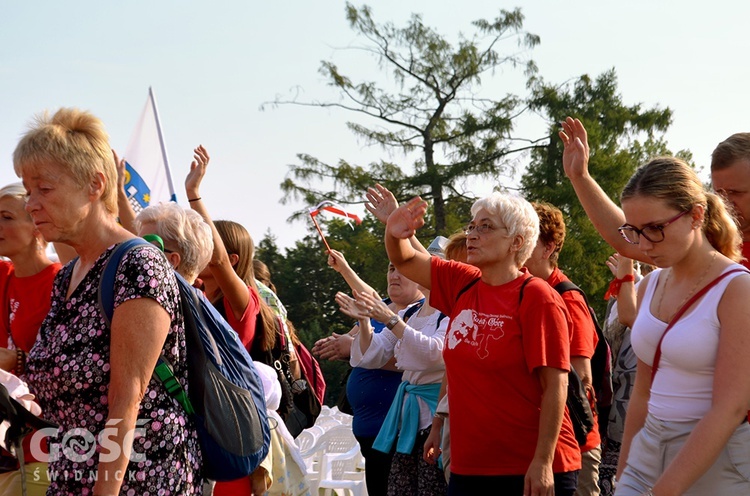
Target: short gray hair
518 215
184 227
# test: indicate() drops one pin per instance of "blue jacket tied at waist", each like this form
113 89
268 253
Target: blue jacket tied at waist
410 421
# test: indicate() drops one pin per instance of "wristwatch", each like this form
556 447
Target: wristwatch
392 323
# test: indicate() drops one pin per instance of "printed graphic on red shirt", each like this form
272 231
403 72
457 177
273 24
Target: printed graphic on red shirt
465 330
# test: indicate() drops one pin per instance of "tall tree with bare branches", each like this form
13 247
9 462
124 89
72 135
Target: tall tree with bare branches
432 115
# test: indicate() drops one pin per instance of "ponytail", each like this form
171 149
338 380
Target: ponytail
721 228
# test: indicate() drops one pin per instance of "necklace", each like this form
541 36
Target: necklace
692 291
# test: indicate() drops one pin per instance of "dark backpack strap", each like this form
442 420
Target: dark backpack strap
523 285
163 370
566 286
413 309
601 360
107 281
466 288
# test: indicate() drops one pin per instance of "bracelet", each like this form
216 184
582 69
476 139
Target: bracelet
194 199
392 323
20 361
616 284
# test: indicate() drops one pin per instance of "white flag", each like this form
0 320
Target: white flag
148 178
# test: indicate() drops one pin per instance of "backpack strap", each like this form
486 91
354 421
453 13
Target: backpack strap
107 281
163 370
413 309
523 285
466 288
565 286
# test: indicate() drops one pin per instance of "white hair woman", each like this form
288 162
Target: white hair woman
90 377
507 351
186 238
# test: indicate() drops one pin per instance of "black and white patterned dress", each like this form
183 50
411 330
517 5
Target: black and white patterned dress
68 369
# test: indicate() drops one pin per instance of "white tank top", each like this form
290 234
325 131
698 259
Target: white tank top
683 387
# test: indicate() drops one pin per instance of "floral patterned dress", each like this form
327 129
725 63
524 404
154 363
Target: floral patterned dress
68 369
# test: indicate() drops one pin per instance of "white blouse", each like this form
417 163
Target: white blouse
683 386
419 353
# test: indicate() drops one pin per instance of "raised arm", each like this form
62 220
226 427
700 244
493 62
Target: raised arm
357 310
230 284
402 225
604 214
125 210
382 203
337 262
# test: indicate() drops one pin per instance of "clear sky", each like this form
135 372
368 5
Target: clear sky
212 64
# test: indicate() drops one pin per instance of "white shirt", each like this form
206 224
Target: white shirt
683 386
419 353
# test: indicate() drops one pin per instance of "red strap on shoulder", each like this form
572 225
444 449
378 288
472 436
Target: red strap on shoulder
682 310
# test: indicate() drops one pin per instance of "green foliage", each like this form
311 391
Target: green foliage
621 137
307 285
432 110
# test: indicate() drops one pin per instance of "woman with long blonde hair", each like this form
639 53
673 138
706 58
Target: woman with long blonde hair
686 430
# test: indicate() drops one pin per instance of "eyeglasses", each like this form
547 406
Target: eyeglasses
653 233
481 228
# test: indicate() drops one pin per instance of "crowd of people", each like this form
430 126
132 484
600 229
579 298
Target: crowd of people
460 376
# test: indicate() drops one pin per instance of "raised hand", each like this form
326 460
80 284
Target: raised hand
380 202
197 171
351 307
406 219
375 306
576 148
612 262
121 174
337 261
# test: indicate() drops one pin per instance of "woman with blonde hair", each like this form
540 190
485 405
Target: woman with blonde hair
686 430
90 377
26 285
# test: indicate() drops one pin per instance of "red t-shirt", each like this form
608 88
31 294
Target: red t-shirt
25 304
582 344
245 326
28 300
492 348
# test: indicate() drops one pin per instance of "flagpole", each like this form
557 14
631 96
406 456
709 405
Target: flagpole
163 145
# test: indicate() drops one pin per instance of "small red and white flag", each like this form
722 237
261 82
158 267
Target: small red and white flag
332 207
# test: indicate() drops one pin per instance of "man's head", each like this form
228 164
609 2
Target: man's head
543 259
730 176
